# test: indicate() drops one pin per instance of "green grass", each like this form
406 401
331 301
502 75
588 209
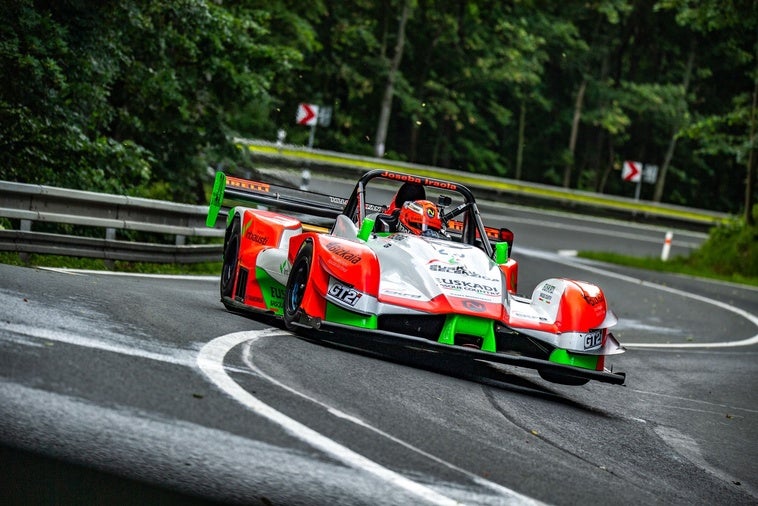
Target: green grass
678 265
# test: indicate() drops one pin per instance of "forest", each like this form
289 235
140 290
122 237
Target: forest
142 97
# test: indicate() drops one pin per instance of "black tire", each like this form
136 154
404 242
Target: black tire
296 286
231 258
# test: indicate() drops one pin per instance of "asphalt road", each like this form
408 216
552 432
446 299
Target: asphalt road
117 389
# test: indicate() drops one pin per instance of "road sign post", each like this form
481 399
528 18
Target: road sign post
632 173
307 114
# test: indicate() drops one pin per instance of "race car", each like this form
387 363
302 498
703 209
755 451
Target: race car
392 262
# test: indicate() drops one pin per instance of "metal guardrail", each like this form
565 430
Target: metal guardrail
482 185
38 204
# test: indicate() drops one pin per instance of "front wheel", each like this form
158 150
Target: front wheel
296 286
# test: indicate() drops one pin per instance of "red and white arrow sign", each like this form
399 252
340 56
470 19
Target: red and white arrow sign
631 172
307 114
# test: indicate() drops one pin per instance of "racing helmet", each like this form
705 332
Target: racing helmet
419 217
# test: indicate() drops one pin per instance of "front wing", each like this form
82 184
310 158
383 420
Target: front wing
380 342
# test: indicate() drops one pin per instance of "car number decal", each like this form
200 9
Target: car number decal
345 294
593 339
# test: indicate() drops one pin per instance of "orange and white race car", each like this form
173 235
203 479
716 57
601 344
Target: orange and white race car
394 266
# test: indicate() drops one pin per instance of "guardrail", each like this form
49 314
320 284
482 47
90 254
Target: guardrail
483 185
39 204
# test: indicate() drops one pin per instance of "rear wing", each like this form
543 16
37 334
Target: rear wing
275 196
311 204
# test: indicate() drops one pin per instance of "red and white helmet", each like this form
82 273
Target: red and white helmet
419 216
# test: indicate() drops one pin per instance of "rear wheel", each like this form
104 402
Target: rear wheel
296 285
231 258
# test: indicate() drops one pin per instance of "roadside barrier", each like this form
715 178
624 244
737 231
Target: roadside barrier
33 204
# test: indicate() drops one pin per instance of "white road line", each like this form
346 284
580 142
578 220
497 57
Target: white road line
76 272
211 362
725 344
512 495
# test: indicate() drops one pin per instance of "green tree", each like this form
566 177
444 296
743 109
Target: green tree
731 132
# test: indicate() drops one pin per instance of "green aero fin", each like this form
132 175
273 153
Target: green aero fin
217 197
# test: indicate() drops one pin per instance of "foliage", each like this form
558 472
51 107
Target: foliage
142 97
731 249
730 253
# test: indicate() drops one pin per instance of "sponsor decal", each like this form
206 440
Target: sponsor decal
457 269
339 250
546 293
468 286
453 257
419 180
247 185
260 239
473 305
401 293
526 316
337 200
345 294
593 339
277 292
547 299
285 267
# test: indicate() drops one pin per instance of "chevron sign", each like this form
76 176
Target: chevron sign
307 114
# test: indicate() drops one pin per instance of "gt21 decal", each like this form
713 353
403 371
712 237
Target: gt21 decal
593 339
345 294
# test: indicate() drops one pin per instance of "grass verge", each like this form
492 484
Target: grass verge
678 265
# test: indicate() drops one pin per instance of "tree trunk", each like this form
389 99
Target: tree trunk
659 185
578 106
750 177
520 147
389 90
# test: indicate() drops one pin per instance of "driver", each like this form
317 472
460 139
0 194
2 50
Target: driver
420 217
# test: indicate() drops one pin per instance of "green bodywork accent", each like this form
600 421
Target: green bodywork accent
567 358
470 325
501 252
217 197
366 228
272 290
336 314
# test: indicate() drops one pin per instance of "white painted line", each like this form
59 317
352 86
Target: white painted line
189 277
211 362
725 344
513 496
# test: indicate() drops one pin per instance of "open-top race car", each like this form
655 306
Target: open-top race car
394 262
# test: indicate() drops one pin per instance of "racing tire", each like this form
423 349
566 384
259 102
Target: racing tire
231 258
296 285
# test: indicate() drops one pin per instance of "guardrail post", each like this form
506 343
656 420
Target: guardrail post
180 240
